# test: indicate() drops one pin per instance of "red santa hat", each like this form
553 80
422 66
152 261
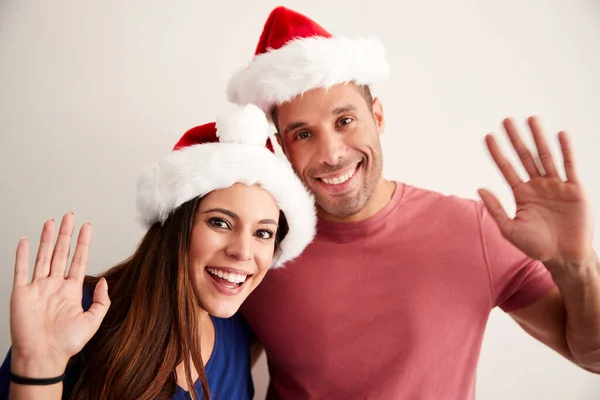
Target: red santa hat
295 54
234 149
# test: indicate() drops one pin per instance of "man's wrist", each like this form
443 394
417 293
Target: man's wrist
573 272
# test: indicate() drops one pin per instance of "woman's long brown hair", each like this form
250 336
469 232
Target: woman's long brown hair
152 325
153 321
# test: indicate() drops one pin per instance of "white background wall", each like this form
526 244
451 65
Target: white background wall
91 91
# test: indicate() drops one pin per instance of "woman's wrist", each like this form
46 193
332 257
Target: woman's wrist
43 367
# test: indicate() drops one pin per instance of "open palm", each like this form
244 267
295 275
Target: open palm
47 320
553 219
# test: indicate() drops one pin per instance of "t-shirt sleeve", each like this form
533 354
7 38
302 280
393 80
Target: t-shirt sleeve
516 280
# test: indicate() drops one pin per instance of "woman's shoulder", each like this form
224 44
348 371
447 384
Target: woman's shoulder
87 299
228 370
233 329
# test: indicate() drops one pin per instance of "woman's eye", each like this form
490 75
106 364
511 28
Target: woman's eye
218 223
264 234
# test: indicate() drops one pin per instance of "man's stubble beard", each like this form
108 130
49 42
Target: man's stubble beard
347 206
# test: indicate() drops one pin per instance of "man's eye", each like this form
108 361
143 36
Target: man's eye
302 135
345 121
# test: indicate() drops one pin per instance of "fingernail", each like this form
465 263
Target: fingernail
23 238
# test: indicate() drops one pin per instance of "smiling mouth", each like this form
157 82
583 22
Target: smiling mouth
228 279
339 179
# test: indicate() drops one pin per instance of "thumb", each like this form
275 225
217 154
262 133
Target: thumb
99 308
495 209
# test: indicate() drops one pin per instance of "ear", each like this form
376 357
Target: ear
378 115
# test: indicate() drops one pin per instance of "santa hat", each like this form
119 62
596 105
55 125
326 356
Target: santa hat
217 155
295 54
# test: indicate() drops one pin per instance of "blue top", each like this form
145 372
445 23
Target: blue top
227 371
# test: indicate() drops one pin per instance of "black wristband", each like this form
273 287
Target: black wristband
21 380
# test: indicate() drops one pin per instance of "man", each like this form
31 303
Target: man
392 298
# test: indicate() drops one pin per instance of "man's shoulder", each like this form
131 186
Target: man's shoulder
437 203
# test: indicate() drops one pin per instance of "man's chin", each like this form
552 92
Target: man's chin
338 209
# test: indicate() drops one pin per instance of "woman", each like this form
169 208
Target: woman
222 210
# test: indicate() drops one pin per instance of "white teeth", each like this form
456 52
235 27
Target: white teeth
233 278
340 179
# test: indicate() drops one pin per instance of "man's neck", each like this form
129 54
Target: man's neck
379 199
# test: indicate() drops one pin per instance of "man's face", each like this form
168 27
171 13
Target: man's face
331 138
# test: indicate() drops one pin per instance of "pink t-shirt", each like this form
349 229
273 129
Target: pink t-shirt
392 307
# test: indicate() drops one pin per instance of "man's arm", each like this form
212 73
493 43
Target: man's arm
553 223
567 319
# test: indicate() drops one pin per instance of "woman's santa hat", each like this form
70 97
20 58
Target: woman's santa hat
217 155
295 54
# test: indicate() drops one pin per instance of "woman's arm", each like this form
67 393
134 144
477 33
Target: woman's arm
37 369
47 321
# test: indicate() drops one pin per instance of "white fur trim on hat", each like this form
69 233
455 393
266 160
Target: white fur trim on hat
199 169
247 125
303 64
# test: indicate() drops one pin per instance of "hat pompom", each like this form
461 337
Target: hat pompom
248 125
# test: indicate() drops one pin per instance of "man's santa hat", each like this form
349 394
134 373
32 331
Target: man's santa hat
217 155
295 54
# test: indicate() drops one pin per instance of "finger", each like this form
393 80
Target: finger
21 277
60 257
44 254
82 251
505 167
495 209
568 159
96 313
522 151
542 147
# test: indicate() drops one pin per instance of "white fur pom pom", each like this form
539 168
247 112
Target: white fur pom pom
248 125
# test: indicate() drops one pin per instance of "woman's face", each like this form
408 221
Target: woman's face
232 246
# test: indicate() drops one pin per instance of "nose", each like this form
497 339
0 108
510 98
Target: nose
240 247
332 147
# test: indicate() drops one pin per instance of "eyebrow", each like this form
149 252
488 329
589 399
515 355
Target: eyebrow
294 125
235 216
336 111
343 109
